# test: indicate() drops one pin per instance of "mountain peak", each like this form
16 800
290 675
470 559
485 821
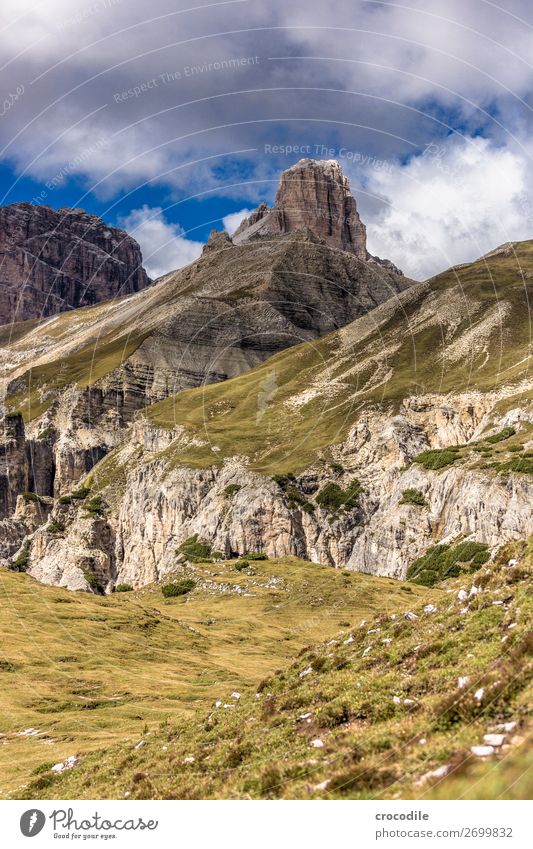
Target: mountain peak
312 194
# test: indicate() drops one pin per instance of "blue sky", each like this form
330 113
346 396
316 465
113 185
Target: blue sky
170 119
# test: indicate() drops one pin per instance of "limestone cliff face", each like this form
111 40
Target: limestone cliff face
314 195
55 260
160 506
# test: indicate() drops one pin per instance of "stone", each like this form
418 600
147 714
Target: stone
495 740
482 751
313 195
56 260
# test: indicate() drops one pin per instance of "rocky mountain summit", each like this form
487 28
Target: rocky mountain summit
57 260
279 395
80 378
314 195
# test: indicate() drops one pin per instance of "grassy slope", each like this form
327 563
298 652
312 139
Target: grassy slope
88 671
373 746
431 339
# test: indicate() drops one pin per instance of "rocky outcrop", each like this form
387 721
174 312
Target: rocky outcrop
238 511
314 195
56 260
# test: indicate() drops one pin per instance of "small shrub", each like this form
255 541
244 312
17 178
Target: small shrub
123 588
54 527
30 496
413 496
81 493
21 561
178 588
337 468
443 561
256 555
231 489
94 507
196 550
242 565
91 579
499 437
438 458
519 464
47 433
333 498
65 499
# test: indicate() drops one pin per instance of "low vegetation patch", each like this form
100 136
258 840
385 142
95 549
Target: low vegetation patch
439 458
198 550
177 588
445 561
501 435
334 499
413 496
22 560
123 588
231 489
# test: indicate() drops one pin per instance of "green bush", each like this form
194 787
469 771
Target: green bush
333 498
256 555
438 458
196 550
178 588
94 506
91 579
518 464
499 437
337 468
82 492
54 527
413 496
444 561
242 565
231 489
65 499
21 561
30 496
47 433
123 588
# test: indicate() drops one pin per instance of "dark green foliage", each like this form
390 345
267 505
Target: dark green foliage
284 480
413 496
81 493
439 458
21 561
337 468
518 464
242 565
444 561
178 588
91 579
95 506
257 555
65 499
30 496
54 527
196 550
333 498
47 433
123 588
231 489
43 768
499 437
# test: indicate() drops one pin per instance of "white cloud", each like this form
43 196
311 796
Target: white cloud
232 221
163 245
451 204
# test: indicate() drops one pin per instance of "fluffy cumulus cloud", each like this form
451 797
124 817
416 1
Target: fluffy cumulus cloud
200 98
451 204
232 221
163 245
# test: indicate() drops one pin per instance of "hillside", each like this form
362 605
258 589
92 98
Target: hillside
79 671
361 449
430 700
